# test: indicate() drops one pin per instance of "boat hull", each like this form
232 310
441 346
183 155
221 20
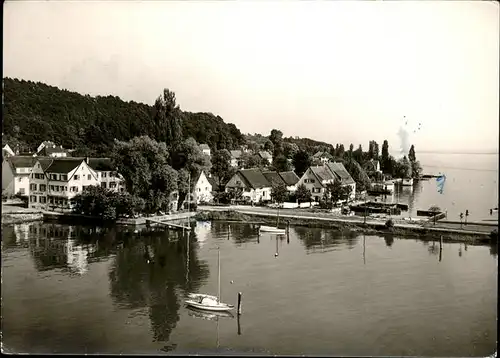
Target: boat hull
273 230
214 306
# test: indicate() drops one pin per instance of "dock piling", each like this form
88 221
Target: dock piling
239 303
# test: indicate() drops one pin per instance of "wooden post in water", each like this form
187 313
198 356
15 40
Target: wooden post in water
239 303
239 327
440 247
228 231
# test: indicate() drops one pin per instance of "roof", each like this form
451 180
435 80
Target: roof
255 178
265 155
236 154
101 164
323 154
204 146
290 178
322 173
212 182
273 177
50 150
45 162
341 172
18 161
63 165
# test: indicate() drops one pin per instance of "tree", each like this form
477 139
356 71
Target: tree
303 194
346 192
269 146
335 191
359 175
385 160
411 154
95 201
143 163
256 161
279 193
221 166
340 151
280 163
168 118
301 162
373 150
289 149
357 155
403 168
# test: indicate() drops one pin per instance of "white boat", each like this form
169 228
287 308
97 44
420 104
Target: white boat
407 182
271 229
209 302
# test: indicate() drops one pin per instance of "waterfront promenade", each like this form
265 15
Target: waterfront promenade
445 227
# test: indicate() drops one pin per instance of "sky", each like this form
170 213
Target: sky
422 73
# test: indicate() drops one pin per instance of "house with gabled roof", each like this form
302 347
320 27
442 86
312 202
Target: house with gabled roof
38 183
236 158
52 151
267 156
343 175
66 177
202 191
16 172
315 179
7 151
107 175
252 185
322 157
274 178
291 180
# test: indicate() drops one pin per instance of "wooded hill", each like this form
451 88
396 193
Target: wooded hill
34 111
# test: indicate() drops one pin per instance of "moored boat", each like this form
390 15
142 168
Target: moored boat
271 229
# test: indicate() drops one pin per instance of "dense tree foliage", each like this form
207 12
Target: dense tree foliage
144 164
301 161
34 112
221 169
279 193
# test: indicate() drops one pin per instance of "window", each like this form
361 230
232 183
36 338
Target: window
33 198
32 186
19 179
112 184
89 176
199 189
104 174
57 187
43 199
53 176
83 187
52 188
43 187
73 189
206 188
21 191
103 185
64 177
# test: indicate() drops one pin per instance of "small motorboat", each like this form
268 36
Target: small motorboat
272 230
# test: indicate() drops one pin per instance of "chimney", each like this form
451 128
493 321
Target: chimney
87 160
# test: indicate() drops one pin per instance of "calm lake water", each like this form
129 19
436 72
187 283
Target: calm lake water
471 184
78 289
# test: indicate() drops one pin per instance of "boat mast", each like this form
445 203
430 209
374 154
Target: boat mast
218 280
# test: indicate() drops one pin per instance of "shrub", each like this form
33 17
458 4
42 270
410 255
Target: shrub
494 235
389 224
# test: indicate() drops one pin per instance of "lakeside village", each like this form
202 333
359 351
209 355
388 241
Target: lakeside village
51 180
168 163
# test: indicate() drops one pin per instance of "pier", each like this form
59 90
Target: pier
168 224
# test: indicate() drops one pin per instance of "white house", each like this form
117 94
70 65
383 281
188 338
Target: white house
8 150
202 189
291 180
52 151
16 172
66 177
252 185
106 174
267 156
315 179
38 184
205 149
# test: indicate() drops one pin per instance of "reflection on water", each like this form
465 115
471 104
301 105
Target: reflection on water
76 289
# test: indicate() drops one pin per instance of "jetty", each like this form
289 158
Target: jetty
167 224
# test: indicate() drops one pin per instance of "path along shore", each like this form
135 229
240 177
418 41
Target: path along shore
449 230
